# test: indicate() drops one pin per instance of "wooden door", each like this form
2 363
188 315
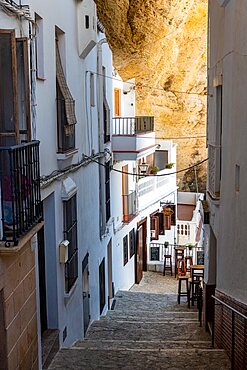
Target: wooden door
139 254
117 102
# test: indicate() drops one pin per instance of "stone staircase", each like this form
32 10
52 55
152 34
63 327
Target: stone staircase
144 331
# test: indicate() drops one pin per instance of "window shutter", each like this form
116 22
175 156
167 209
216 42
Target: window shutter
167 212
125 249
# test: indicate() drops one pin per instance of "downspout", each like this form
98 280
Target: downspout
102 216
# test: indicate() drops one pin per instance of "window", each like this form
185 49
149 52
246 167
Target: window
161 159
132 242
70 234
39 40
107 191
14 89
102 285
66 118
125 250
92 90
106 110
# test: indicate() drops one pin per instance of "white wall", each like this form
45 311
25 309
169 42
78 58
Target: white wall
228 46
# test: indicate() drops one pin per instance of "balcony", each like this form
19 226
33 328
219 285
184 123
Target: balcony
153 188
21 206
132 137
129 207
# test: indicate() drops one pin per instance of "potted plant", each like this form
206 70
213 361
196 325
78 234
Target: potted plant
153 170
170 165
166 244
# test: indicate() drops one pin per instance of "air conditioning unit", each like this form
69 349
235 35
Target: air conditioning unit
64 251
87 27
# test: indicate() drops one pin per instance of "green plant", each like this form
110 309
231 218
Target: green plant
166 244
170 165
153 170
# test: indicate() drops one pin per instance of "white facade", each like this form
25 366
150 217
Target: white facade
225 229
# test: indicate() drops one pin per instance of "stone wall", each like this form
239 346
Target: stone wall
162 43
18 328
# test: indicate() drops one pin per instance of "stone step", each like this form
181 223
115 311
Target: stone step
151 316
149 302
77 358
142 345
123 330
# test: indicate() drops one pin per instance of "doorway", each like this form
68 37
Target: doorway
110 283
85 293
42 280
141 250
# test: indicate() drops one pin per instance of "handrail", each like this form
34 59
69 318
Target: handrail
230 307
234 311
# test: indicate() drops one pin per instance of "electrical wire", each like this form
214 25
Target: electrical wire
204 93
150 175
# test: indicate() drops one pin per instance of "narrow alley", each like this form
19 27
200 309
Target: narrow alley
146 329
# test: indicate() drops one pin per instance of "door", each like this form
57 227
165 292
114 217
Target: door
42 280
139 254
117 102
110 283
85 294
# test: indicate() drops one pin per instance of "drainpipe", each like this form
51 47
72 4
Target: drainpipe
102 216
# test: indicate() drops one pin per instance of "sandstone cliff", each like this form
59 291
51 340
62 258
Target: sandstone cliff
162 43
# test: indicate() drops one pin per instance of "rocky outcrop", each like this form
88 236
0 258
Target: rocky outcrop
162 44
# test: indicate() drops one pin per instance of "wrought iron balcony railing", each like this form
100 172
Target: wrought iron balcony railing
21 206
132 125
129 207
15 3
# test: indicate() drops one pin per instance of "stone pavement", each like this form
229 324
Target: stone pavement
146 330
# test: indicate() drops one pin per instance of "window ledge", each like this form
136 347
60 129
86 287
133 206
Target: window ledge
67 155
68 296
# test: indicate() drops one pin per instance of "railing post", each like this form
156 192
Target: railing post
233 338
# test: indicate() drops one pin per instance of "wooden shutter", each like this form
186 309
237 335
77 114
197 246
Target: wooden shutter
117 104
167 212
132 242
23 88
125 249
9 123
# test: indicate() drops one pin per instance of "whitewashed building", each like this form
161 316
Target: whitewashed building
226 232
74 230
138 209
56 58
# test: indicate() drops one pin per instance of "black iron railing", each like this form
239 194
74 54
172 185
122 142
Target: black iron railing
132 125
21 206
235 331
15 3
129 207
